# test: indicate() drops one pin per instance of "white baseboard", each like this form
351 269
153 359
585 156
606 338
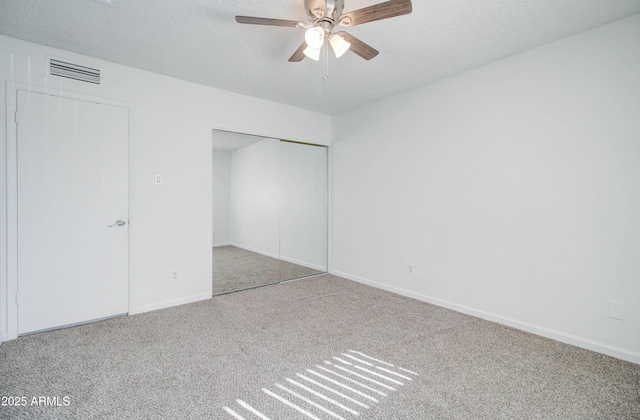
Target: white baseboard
304 264
279 257
169 303
3 337
257 251
221 244
620 353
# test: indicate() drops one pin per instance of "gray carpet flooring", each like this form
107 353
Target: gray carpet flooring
238 269
245 351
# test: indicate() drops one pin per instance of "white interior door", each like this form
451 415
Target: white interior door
72 184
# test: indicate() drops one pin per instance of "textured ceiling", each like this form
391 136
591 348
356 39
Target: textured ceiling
199 41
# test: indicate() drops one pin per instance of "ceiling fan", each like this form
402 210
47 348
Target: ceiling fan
324 16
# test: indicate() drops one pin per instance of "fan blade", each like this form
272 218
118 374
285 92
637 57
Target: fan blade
363 50
266 21
380 11
299 54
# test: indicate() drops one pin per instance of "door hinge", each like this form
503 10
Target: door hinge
17 304
17 119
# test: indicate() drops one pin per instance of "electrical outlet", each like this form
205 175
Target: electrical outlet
174 275
410 269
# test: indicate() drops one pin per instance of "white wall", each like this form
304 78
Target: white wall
513 189
255 197
170 134
303 204
221 198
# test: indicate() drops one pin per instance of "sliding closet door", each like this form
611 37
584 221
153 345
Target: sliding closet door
303 210
269 211
246 196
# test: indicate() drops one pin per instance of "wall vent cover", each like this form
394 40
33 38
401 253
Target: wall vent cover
72 71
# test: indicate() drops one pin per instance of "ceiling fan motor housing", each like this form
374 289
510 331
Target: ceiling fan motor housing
331 9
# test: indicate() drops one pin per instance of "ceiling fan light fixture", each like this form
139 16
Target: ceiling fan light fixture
339 45
314 37
313 53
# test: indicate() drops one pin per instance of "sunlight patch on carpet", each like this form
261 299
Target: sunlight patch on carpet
343 387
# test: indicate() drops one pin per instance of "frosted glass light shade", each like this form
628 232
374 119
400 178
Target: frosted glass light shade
313 53
339 45
314 37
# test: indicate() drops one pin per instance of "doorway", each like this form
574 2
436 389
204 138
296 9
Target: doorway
72 211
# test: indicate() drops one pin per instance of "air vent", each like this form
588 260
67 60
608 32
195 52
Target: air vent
74 71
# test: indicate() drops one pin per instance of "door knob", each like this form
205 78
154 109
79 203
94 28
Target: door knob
118 223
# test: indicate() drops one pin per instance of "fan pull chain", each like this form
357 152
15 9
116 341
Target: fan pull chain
325 62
